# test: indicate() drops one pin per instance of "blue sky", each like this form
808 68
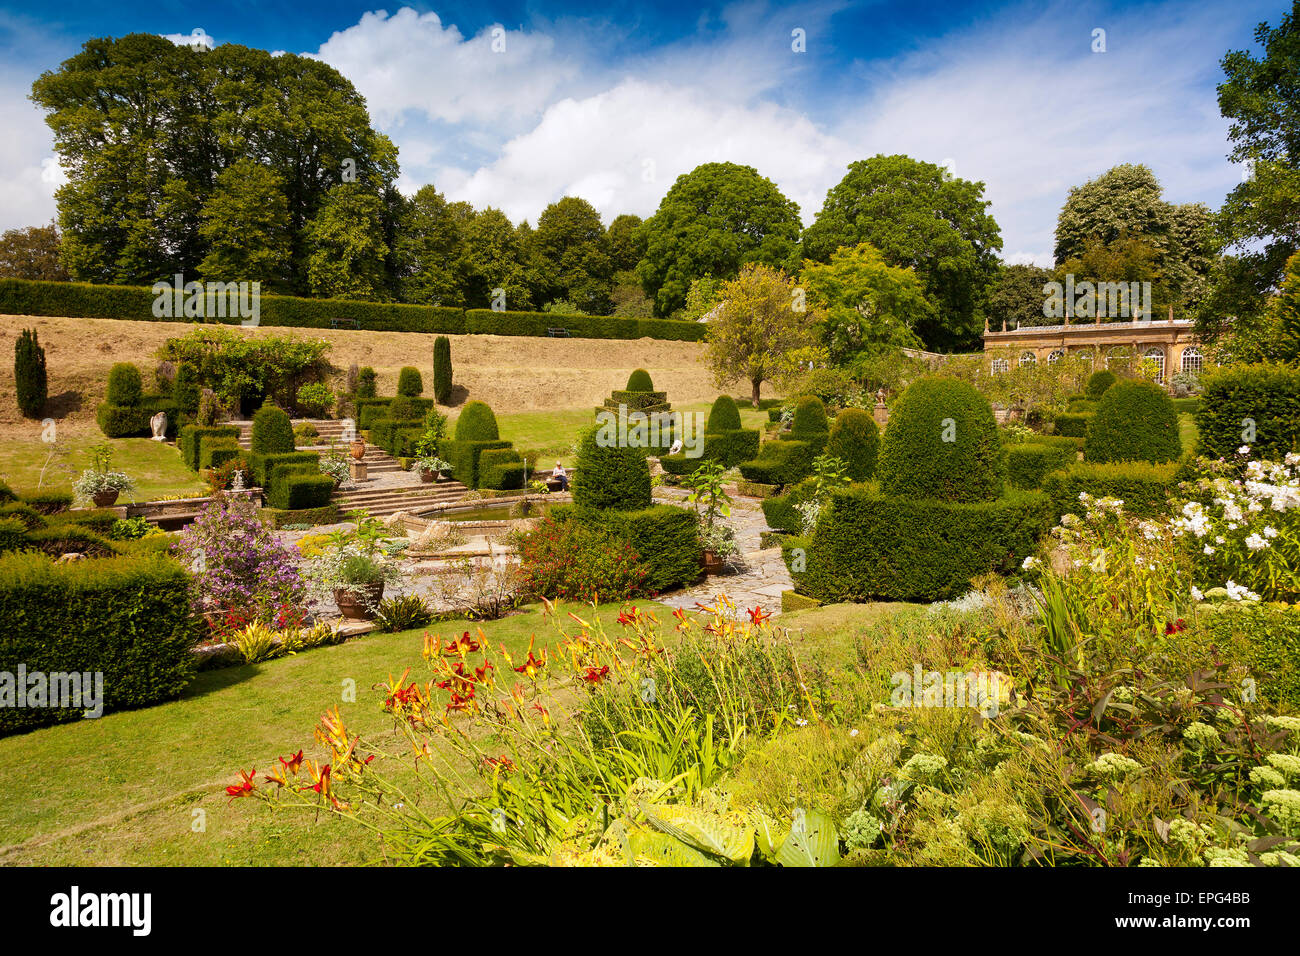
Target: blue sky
612 102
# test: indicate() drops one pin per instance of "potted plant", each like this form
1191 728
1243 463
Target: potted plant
336 466
430 467
99 483
711 501
354 570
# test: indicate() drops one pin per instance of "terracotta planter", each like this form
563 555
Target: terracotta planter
105 499
429 477
358 449
712 562
354 609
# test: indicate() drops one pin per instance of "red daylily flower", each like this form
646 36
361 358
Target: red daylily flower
244 787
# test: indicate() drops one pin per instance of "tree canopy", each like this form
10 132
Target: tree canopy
715 219
920 218
861 304
31 253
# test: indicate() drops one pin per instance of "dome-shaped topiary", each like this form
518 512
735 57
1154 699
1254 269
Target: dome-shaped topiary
855 440
639 381
123 384
809 417
409 382
1135 421
610 475
476 423
941 443
724 416
1098 382
272 431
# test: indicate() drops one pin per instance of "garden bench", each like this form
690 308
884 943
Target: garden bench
340 323
558 333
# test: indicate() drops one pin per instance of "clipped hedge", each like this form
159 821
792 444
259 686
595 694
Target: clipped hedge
124 385
190 440
260 467
782 512
1098 382
298 492
49 502
442 378
410 383
610 476
1029 464
500 469
127 421
731 447
214 451
272 431
127 618
640 381
1135 421
664 537
370 410
327 514
724 415
463 456
780 463
1237 400
476 422
1072 424
1146 489
681 464
870 546
942 443
489 322
855 440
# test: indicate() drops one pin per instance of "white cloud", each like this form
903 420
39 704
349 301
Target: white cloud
197 38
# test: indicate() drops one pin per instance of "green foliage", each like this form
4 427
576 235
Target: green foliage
712 221
1265 637
610 475
1147 490
569 256
578 560
403 409
782 512
1135 421
190 440
272 431
214 451
32 253
476 423
500 468
126 617
941 443
123 421
245 370
296 491
123 384
347 258
246 227
809 418
781 463
640 381
871 546
855 440
403 613
48 502
30 379
262 467
463 456
1016 296
919 217
1238 400
730 447
862 304
314 399
366 382
442 377
724 415
1072 424
1098 382
664 538
1028 464
409 382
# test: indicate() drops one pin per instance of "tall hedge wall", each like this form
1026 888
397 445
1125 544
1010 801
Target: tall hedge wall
126 617
1239 399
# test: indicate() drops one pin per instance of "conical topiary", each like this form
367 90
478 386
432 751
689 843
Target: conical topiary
941 443
855 440
809 417
1135 421
29 374
610 475
272 431
442 370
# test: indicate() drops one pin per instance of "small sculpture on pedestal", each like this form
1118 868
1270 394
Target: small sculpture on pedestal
158 424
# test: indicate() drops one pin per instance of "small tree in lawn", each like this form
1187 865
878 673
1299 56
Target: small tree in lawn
29 374
759 319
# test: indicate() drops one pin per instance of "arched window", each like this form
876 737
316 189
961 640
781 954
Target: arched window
1088 355
1056 356
1119 357
1158 357
1000 365
1028 358
1193 361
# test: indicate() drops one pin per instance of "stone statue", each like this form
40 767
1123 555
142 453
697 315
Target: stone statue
158 424
880 396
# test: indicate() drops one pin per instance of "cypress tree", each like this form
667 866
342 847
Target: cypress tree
29 374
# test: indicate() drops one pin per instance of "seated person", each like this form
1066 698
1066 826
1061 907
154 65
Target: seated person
562 476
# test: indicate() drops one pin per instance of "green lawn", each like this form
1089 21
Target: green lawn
123 790
156 466
1187 432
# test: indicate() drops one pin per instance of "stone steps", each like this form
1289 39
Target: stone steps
382 502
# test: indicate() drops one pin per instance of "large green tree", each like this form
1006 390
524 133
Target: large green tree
626 242
713 220
431 243
347 253
569 256
921 218
757 323
145 128
32 253
861 304
245 227
1260 219
1126 203
1015 297
492 258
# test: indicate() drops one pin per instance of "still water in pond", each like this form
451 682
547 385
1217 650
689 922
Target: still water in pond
499 512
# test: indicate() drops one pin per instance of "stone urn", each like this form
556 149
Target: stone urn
358 449
105 499
428 476
712 562
356 607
